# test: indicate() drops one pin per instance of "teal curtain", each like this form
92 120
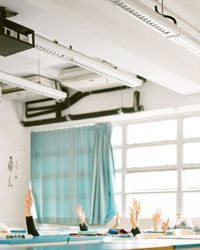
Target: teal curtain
65 165
102 198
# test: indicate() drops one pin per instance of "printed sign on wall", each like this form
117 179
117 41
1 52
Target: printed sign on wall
12 171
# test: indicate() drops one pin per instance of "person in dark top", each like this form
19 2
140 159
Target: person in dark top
29 218
134 221
134 211
81 214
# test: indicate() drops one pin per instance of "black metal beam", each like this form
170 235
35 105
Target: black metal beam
78 117
43 110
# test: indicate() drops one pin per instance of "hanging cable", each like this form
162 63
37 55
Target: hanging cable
162 13
38 71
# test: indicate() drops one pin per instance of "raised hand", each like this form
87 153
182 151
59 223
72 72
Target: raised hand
28 203
117 221
133 220
165 225
81 214
156 219
137 208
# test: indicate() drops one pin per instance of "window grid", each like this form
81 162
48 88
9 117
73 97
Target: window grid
180 166
179 196
123 209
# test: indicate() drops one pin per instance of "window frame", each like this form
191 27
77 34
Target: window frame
179 166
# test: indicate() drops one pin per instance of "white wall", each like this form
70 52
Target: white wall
15 142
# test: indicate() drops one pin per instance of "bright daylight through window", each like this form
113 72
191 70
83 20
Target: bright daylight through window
158 163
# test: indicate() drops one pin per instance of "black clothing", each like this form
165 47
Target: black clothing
31 226
135 231
83 227
32 230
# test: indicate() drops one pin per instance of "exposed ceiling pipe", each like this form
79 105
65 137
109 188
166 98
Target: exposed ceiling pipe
70 117
31 112
81 116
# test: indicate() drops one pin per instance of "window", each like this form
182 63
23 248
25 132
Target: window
191 127
151 132
191 153
117 153
191 179
155 161
151 156
116 138
150 181
118 182
191 166
150 202
118 201
189 199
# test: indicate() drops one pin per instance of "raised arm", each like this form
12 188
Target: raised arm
28 204
156 219
165 225
117 221
29 218
137 208
81 214
134 225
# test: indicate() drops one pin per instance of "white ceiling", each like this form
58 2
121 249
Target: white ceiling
188 10
99 29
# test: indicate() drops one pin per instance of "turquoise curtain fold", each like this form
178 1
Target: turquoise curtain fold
64 165
102 198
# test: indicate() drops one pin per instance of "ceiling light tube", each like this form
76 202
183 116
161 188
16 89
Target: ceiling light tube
147 16
32 86
158 23
86 62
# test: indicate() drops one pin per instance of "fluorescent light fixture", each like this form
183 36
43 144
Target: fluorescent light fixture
86 62
158 23
147 16
32 86
187 41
